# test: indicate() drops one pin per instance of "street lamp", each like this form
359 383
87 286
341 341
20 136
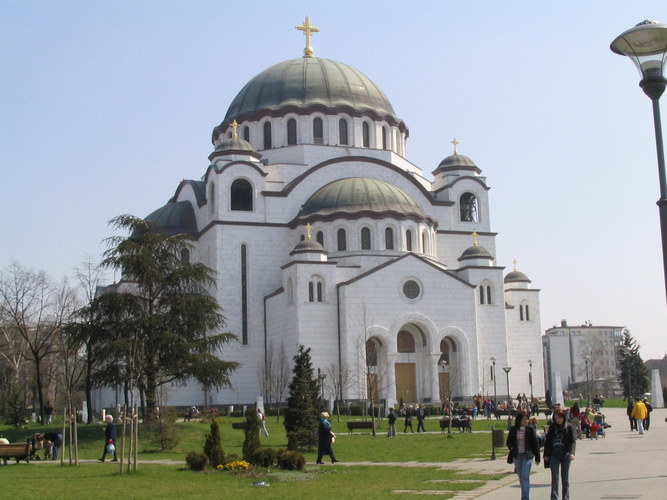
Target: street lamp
509 394
493 374
646 46
588 394
530 379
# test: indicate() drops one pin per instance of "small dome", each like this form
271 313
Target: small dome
235 144
475 252
175 218
516 277
308 246
456 161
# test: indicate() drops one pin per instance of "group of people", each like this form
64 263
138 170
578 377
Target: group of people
639 414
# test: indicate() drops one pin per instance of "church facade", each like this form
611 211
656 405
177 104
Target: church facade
322 233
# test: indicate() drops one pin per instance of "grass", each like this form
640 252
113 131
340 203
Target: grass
172 481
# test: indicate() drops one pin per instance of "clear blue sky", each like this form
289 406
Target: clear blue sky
106 105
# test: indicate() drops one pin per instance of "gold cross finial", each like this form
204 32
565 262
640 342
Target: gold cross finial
308 228
307 29
234 126
474 237
456 143
514 265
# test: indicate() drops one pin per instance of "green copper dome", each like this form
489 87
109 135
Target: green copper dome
306 84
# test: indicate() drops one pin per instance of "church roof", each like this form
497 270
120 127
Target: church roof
235 144
306 84
355 195
475 252
308 246
516 277
175 218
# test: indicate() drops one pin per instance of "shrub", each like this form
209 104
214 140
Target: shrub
291 460
196 460
264 457
163 433
213 447
251 430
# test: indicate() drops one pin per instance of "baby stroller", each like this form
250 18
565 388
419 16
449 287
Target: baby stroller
598 426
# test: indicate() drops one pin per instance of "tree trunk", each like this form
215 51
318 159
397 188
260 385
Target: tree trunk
151 397
89 393
40 389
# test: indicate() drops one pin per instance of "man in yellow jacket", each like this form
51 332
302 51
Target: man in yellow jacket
639 413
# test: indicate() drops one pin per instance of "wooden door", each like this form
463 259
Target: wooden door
445 389
406 384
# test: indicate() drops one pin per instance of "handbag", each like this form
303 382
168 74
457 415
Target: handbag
510 458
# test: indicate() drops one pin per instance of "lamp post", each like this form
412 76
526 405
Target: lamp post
646 46
588 394
493 374
509 394
530 378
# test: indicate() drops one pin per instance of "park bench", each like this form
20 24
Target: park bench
359 425
18 451
238 425
462 424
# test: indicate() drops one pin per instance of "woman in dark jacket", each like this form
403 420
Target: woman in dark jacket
524 447
559 452
325 439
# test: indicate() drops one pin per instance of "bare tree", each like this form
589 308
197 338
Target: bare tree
337 380
274 375
37 309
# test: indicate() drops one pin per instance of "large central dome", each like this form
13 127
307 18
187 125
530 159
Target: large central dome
306 84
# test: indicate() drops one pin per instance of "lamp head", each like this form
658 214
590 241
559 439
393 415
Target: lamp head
507 368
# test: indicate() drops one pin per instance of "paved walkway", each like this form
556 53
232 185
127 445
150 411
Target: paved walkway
623 465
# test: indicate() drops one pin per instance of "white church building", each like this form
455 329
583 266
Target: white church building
322 233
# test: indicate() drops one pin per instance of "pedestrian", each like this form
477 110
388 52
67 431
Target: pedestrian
56 439
325 439
391 420
649 409
109 439
48 412
628 410
421 415
639 413
408 419
262 421
559 451
523 449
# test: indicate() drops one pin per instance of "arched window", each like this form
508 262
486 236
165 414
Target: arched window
489 297
267 135
302 238
527 312
468 207
405 342
371 353
318 131
408 240
319 291
320 238
246 133
241 195
365 238
389 238
481 294
444 352
384 138
311 291
424 243
316 290
185 256
520 312
211 198
366 134
342 240
342 132
291 131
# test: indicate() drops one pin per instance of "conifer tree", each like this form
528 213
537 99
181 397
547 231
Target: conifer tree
213 446
634 373
303 404
251 442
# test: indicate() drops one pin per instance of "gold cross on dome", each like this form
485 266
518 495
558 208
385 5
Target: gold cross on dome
307 29
515 265
308 228
456 143
234 126
474 237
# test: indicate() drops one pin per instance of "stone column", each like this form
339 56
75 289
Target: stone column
435 379
390 388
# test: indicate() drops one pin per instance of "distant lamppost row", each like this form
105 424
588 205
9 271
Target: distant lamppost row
588 394
646 46
493 374
530 378
509 394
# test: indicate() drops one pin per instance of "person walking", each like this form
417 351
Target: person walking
421 415
48 412
523 448
109 439
559 452
391 420
262 421
639 413
325 439
408 419
628 410
649 409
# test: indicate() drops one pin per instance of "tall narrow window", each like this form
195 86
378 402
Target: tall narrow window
267 135
211 198
241 195
342 240
468 207
384 138
527 313
311 292
291 131
342 132
319 291
246 133
244 294
488 294
481 294
424 243
366 133
408 240
521 312
185 256
389 238
318 131
365 238
320 238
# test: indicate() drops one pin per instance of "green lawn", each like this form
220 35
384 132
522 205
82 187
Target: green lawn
171 481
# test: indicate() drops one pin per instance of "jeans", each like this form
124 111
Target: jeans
523 465
391 432
559 462
640 425
56 446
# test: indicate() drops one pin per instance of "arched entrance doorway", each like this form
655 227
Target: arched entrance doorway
411 348
448 369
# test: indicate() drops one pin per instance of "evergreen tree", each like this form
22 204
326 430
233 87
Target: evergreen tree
251 442
213 446
303 404
634 374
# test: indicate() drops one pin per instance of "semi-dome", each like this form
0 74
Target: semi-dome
307 84
360 196
175 218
